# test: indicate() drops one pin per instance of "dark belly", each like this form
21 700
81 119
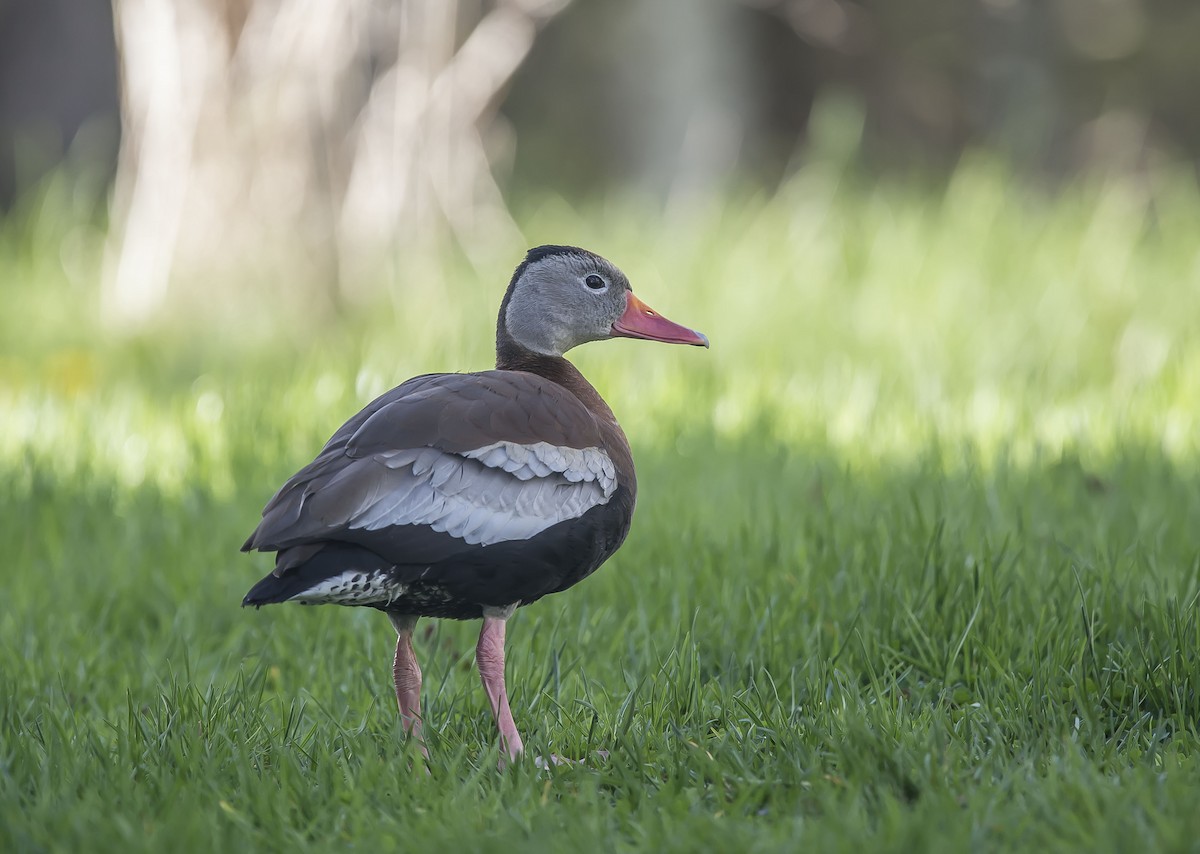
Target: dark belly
462 580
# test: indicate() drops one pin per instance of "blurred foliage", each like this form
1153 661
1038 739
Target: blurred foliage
877 315
611 91
268 150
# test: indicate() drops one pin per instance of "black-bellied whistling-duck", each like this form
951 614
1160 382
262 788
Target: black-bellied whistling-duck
469 495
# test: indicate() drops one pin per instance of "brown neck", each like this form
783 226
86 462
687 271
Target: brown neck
511 356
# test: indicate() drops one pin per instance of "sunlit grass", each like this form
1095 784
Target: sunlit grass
914 567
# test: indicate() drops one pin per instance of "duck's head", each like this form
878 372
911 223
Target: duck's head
564 296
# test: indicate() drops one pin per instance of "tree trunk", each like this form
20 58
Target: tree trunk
302 139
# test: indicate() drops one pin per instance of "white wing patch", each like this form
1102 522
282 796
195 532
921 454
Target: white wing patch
504 491
539 460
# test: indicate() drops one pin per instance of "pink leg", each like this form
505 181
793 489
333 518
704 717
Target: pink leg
489 655
407 674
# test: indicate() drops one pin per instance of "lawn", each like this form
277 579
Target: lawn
916 562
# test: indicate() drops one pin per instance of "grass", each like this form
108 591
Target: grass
914 567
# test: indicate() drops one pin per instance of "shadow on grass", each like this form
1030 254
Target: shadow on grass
785 629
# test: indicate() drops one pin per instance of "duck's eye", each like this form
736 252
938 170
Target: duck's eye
595 282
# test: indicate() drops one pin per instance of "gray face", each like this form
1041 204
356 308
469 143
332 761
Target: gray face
563 301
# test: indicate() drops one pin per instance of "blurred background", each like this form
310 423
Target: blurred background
978 219
312 150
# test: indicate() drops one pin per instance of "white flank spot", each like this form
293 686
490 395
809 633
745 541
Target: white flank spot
353 588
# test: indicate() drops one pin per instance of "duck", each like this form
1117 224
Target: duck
466 496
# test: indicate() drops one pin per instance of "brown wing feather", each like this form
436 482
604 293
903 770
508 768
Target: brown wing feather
452 413
462 412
